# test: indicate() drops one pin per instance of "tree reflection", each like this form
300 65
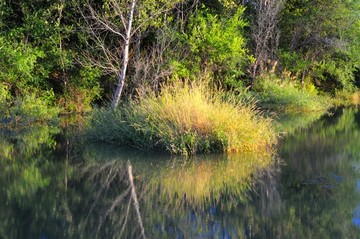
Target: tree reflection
114 208
24 172
21 158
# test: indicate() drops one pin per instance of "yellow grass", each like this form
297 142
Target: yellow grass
191 118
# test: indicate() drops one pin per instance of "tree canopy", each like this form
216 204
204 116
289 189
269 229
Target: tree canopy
76 49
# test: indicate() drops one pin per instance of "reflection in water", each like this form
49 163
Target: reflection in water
288 124
21 153
319 180
180 198
204 180
113 186
86 192
52 186
356 216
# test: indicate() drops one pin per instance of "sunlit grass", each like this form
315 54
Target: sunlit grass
286 96
355 98
185 119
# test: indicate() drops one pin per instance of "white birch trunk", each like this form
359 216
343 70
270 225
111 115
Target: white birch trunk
121 77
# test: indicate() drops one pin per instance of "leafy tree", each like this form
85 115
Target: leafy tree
321 39
40 49
217 46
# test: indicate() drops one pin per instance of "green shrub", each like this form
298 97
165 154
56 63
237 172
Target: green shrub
185 119
33 108
4 98
81 91
287 96
218 48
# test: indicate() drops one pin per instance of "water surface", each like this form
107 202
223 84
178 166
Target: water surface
53 185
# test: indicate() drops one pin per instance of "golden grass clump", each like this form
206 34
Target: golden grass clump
191 118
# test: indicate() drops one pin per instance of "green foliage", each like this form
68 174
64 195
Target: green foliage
217 46
149 13
81 91
18 62
31 108
4 97
39 52
185 120
287 96
321 39
294 63
41 46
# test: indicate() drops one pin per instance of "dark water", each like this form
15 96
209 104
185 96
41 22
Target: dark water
53 185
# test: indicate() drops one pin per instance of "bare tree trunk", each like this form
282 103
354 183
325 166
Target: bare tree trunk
266 34
121 77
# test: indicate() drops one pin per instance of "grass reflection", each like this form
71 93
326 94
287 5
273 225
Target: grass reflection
205 180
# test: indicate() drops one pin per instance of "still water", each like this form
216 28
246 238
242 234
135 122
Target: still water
53 185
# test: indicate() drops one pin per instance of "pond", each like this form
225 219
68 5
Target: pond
53 185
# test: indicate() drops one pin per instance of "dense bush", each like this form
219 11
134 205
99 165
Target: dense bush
31 108
4 97
287 96
217 46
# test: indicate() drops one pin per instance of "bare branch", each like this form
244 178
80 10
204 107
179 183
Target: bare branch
106 24
125 220
266 34
119 12
112 36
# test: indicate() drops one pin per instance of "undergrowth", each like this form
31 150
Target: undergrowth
346 97
286 96
27 109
